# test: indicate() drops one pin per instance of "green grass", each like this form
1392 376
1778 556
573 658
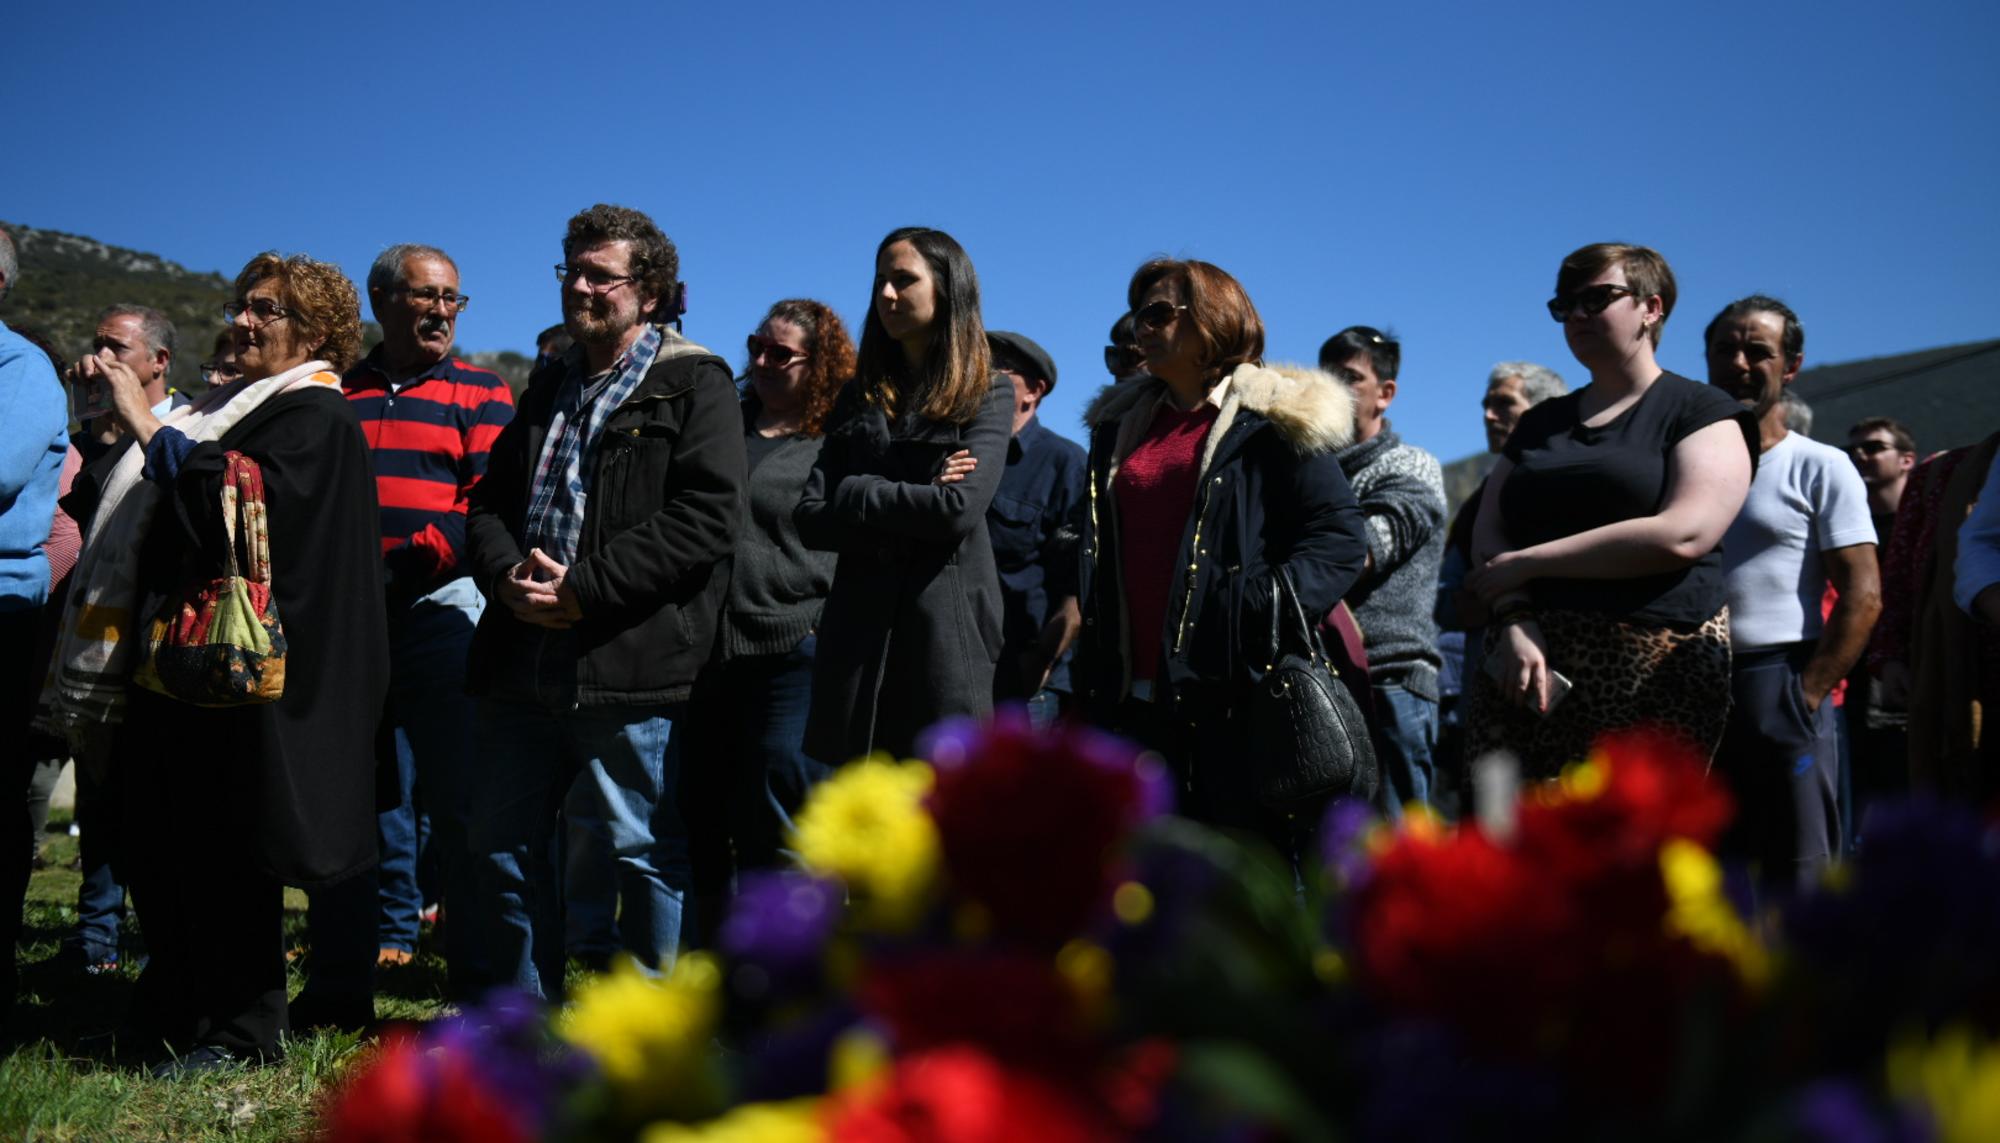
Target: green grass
64 1080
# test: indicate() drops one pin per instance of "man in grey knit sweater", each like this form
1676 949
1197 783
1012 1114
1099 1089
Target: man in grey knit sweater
1401 489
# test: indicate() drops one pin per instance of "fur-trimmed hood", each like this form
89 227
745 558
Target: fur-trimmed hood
1310 408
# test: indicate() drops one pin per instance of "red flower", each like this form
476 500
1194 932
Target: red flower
1015 1006
1028 820
400 1094
961 1095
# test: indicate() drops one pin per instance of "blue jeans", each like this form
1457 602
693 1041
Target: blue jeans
590 878
433 722
626 763
100 900
1405 734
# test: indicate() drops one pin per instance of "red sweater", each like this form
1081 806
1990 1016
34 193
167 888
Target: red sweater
1155 487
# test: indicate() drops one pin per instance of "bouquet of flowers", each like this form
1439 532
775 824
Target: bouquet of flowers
1015 939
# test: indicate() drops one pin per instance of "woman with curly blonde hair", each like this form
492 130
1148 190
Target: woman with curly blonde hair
225 805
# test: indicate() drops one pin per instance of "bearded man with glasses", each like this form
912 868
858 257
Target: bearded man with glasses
602 531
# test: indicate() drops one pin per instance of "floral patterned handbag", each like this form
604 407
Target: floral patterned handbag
218 642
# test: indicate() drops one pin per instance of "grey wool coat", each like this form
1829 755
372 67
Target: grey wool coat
911 629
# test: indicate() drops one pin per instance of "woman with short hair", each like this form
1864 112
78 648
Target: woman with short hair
1598 545
914 451
226 805
1208 477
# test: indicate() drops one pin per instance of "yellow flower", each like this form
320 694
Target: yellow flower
1956 1076
794 1121
650 1036
1698 910
866 824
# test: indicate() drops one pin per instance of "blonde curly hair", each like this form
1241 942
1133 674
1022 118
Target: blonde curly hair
326 310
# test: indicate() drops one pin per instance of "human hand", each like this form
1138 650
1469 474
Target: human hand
1522 665
121 390
956 467
1504 573
531 599
555 577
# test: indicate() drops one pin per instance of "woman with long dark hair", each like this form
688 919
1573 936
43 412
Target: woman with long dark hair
914 451
1209 477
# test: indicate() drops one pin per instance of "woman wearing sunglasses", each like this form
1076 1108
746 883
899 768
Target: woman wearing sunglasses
914 452
1598 545
1208 476
747 721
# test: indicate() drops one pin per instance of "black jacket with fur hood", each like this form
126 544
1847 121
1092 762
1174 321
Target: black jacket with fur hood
1270 493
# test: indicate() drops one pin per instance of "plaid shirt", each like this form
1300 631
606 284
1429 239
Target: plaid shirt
557 495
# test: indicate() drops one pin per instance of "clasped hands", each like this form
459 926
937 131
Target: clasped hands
537 591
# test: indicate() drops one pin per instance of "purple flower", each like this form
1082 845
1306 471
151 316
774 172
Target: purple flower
778 928
505 1042
1343 840
1839 1111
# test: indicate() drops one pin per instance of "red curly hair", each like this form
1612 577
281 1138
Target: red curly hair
830 358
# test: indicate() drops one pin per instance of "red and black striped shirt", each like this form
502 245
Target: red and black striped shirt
429 439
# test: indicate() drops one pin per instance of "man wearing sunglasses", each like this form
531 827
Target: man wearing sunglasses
1804 524
1884 452
1122 358
429 420
1034 525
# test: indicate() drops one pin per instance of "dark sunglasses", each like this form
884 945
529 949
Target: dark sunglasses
1589 301
1156 315
1122 359
1870 448
780 355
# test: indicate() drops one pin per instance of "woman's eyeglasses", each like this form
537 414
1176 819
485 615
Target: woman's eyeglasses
261 310
1589 301
213 373
1156 315
780 354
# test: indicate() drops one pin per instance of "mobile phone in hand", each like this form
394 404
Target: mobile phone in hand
1559 685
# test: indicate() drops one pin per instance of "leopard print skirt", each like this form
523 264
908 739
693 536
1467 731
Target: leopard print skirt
1625 675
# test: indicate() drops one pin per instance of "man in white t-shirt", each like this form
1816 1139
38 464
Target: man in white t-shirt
1805 525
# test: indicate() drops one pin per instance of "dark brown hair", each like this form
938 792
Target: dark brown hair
1224 319
1898 432
1646 271
655 262
326 310
957 371
829 355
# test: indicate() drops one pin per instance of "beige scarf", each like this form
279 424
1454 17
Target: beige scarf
95 642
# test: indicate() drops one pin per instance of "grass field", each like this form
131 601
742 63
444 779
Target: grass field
62 1078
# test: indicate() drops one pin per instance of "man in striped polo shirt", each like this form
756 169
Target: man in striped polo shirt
430 420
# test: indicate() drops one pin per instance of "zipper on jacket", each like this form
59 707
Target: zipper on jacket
1194 565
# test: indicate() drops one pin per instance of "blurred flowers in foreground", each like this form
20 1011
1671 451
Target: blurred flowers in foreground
1015 940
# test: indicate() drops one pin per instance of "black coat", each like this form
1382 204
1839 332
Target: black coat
297 776
1271 493
665 502
911 630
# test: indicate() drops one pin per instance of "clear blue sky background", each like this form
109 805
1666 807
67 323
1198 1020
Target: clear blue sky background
1417 166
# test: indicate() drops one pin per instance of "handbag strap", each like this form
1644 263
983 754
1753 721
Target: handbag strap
1283 593
244 510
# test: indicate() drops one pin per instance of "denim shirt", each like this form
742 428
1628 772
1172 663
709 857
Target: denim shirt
1035 522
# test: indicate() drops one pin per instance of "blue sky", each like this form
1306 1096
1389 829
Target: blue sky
1417 166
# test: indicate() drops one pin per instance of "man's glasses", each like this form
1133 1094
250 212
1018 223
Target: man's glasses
213 373
261 310
1156 315
1589 301
1870 448
780 354
429 297
595 280
1122 359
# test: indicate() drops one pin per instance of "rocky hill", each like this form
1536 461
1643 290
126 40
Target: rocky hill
66 279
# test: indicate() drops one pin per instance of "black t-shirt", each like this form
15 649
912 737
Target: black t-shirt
1570 478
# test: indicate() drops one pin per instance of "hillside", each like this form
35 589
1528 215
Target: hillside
66 279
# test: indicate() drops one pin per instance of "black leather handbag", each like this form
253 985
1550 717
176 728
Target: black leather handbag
1308 738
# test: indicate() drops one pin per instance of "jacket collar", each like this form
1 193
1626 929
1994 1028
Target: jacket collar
1308 408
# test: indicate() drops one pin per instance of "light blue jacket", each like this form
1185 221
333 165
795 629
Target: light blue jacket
32 420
